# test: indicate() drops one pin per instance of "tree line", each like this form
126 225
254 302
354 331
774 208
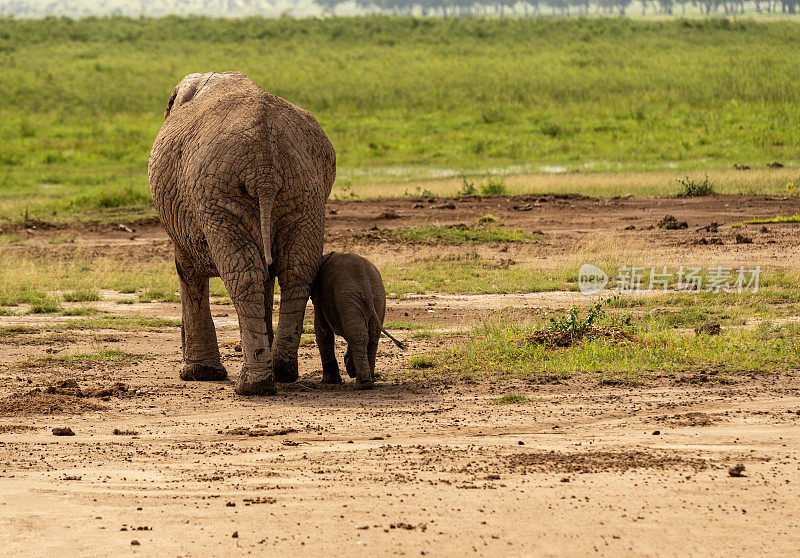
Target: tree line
423 8
531 8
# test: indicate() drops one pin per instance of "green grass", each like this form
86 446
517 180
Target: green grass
81 359
82 295
458 234
422 362
157 295
403 325
778 219
122 323
513 399
400 98
502 348
472 274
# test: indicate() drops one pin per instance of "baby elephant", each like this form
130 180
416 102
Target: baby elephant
349 301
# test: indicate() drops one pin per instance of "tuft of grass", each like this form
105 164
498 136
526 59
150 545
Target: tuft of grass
123 323
422 362
82 295
158 295
494 187
459 234
45 305
488 218
691 188
774 220
403 325
513 399
81 359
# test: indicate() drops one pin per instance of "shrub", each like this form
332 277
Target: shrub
691 189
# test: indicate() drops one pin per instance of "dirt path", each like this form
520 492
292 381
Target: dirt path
412 467
418 466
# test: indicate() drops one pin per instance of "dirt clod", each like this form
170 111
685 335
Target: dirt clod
390 214
63 431
737 470
742 239
669 222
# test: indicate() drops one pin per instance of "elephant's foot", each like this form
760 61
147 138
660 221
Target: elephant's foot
285 371
255 381
348 365
203 372
330 373
367 384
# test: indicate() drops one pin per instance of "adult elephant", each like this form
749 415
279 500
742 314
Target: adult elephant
239 178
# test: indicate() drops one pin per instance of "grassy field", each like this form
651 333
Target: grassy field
407 100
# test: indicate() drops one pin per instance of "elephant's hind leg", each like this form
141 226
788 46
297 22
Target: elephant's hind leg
325 343
242 269
200 350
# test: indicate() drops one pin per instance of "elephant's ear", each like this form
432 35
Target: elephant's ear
171 102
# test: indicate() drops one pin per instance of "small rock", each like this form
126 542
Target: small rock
235 535
134 543
564 479
656 433
737 470
63 431
520 443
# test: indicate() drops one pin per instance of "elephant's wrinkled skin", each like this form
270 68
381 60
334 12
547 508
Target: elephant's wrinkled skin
349 301
239 178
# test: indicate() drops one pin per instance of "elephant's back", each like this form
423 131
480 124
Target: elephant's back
229 113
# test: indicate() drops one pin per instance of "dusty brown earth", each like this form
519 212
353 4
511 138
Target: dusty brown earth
417 466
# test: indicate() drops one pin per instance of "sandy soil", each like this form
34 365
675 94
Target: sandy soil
416 467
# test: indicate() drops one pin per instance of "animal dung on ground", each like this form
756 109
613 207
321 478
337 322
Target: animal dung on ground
63 431
669 222
737 470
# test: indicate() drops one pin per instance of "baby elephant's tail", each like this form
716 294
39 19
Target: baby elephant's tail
386 333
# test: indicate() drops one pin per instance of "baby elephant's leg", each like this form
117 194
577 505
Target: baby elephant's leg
325 344
360 361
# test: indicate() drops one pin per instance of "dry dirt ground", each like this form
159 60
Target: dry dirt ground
415 467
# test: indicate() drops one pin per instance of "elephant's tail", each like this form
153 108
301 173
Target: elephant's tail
265 208
386 333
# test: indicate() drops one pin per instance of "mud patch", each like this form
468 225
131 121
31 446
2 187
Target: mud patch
6 428
37 402
689 419
602 461
256 431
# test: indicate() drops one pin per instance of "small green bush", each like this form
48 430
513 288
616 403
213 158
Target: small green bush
691 189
